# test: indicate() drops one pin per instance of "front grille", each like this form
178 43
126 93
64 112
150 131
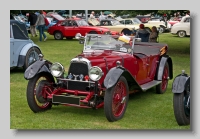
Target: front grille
78 68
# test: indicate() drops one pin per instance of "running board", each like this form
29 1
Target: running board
150 85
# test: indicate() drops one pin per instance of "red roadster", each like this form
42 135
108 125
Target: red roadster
70 27
103 75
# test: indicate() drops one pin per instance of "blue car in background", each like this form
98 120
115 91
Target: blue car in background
23 51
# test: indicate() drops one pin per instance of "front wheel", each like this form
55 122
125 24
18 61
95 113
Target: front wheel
181 104
31 56
181 34
37 91
116 100
162 87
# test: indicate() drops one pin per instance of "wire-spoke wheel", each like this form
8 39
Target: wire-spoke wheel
116 100
37 91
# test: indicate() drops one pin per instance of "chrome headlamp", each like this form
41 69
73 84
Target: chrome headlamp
95 73
57 69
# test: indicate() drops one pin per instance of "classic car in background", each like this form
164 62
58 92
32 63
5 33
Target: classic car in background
23 51
136 21
69 27
164 26
102 76
143 18
174 20
181 98
114 25
182 28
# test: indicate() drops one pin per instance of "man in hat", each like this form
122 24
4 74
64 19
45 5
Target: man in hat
142 33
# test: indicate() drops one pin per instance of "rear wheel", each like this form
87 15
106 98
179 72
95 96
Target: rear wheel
116 100
126 32
37 91
162 87
162 29
58 35
92 32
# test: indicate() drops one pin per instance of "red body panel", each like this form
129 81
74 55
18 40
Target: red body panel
70 31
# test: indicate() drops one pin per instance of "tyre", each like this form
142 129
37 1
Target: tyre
162 29
162 87
31 56
58 35
126 32
116 100
92 32
181 34
36 95
181 104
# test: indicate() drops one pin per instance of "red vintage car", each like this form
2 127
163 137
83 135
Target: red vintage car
102 76
70 27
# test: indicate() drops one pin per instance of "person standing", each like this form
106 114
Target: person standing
153 35
32 19
41 25
92 16
142 33
102 16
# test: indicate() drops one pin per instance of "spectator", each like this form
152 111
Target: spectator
41 25
92 16
153 35
32 19
142 33
102 16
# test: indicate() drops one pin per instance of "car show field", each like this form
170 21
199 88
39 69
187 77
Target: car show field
145 110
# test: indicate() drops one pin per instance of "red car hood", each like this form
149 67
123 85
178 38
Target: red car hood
56 16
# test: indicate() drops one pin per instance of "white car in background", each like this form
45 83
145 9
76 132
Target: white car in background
163 26
182 28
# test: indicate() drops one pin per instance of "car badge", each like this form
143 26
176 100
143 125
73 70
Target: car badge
75 76
86 78
70 76
81 76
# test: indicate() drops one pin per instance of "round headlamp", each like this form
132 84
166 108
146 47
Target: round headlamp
95 73
57 69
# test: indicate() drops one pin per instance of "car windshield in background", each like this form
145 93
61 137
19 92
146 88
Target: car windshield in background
82 23
136 21
107 42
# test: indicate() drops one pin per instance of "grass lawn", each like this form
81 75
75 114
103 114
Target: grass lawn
146 110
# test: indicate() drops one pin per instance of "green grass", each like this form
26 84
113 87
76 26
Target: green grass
146 110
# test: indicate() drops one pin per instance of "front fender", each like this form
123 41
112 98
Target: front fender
112 76
178 85
161 67
27 47
37 67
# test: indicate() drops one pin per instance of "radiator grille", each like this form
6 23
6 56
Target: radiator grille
78 68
